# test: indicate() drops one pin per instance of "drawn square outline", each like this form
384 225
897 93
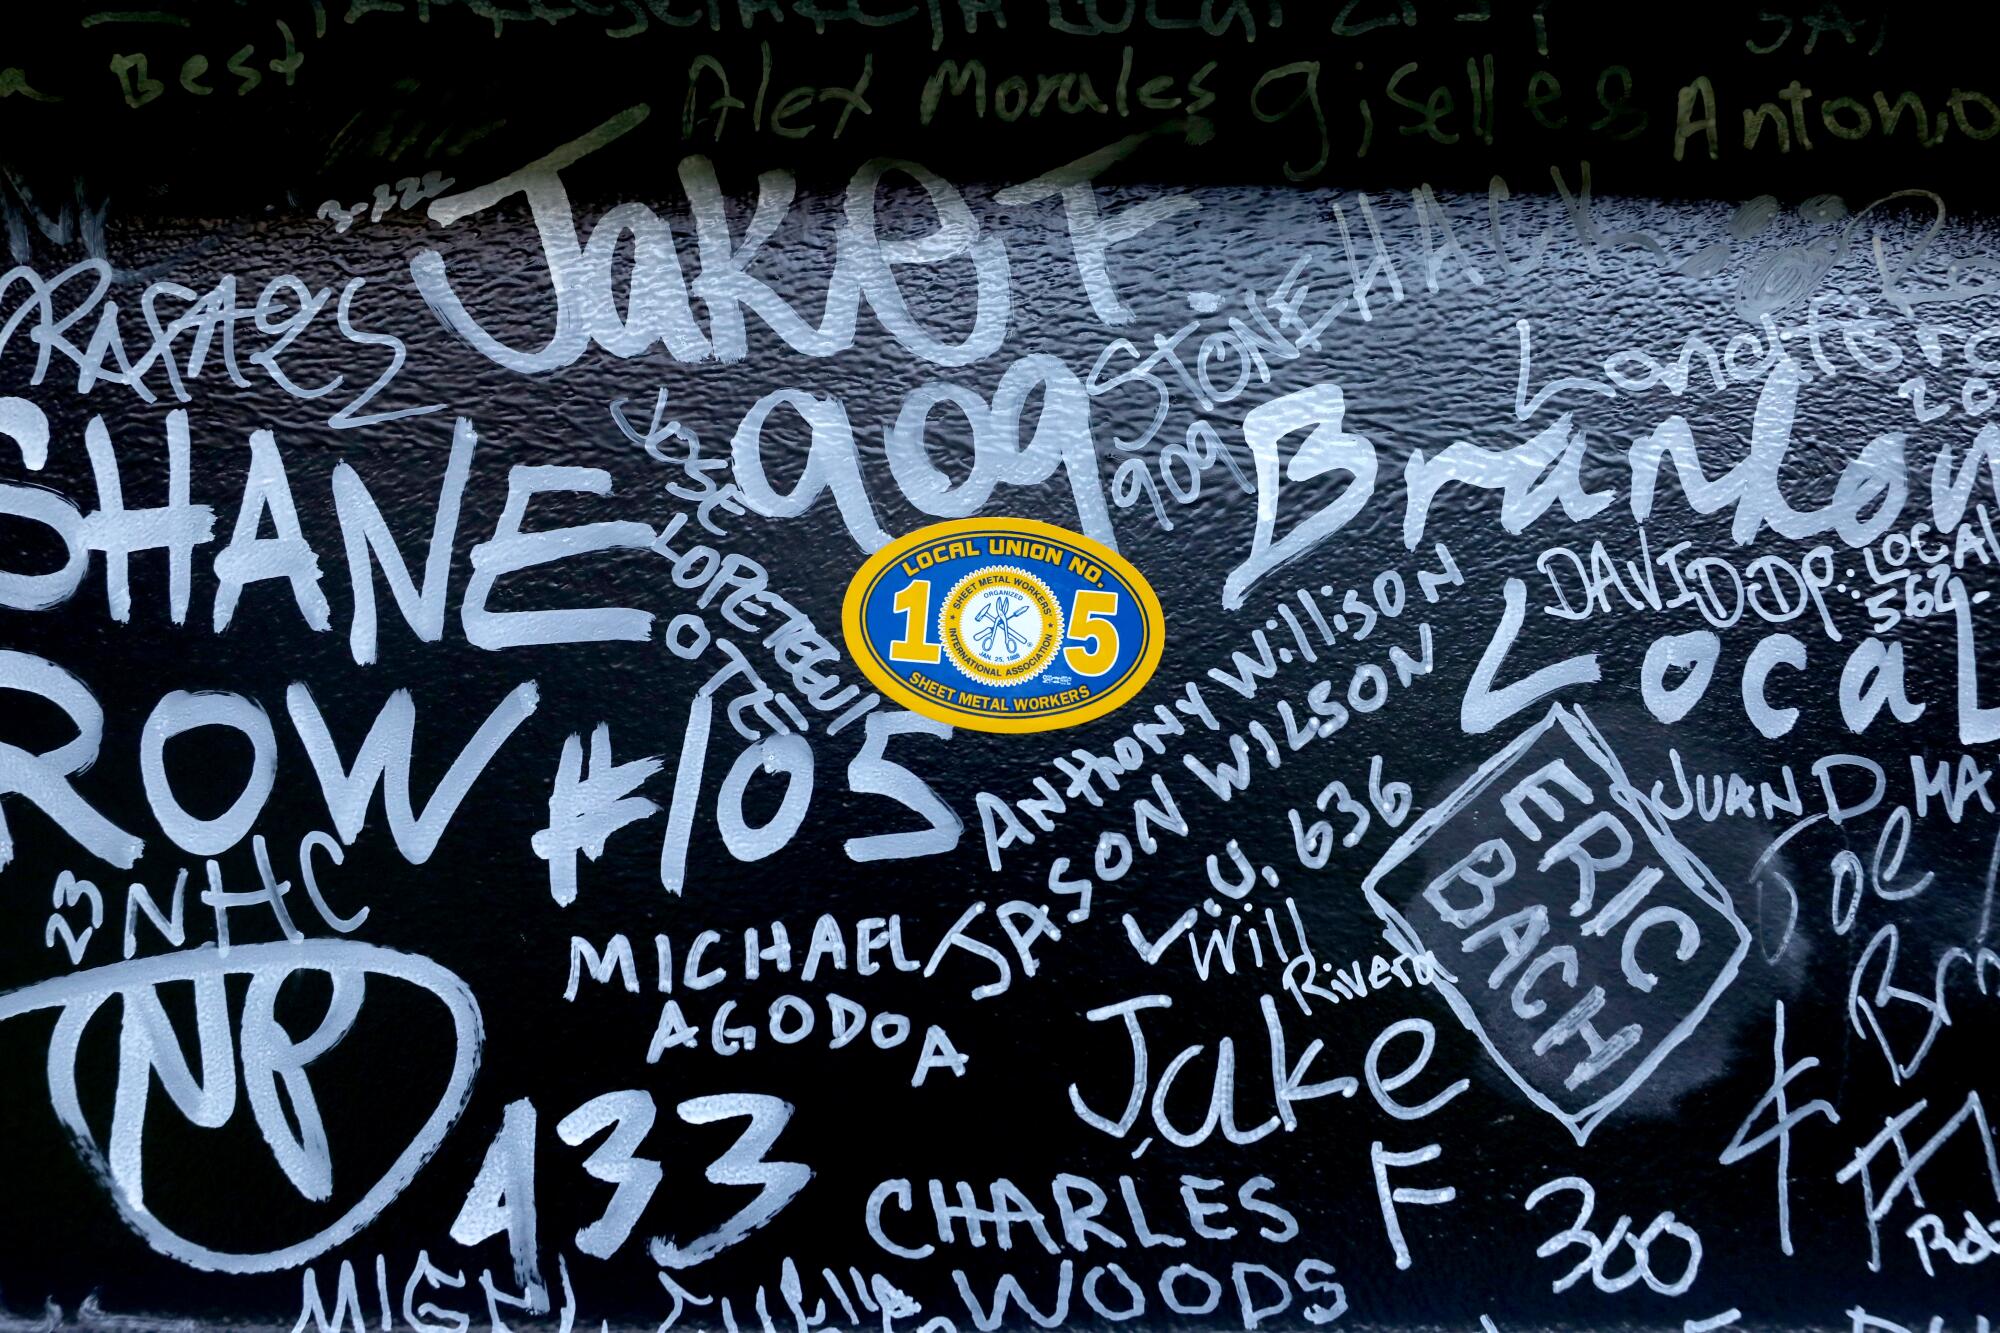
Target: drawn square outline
1693 875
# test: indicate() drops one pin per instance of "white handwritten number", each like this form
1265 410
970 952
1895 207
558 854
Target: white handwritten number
1598 1250
1575 1234
873 772
71 892
630 1115
503 1196
743 1164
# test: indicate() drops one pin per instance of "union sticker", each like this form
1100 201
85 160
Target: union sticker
1003 624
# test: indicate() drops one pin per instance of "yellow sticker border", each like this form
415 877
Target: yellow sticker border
898 691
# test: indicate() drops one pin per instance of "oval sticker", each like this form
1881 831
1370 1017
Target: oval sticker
1003 624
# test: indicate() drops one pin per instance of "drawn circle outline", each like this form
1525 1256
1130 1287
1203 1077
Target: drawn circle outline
81 995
